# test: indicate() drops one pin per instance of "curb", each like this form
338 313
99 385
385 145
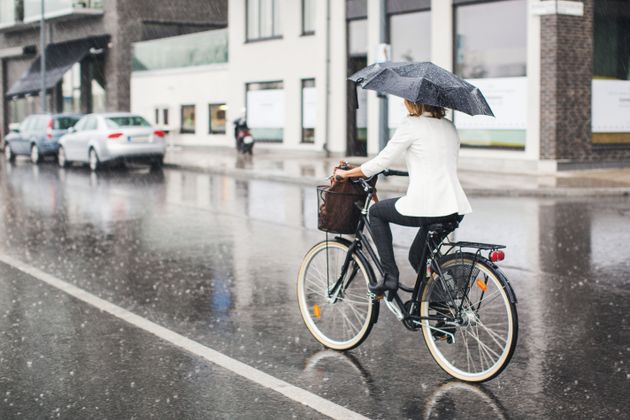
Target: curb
562 192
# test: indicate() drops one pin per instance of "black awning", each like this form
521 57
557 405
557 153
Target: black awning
59 58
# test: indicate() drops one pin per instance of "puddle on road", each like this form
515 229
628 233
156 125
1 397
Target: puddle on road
215 258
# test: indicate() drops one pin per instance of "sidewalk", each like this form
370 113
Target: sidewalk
313 169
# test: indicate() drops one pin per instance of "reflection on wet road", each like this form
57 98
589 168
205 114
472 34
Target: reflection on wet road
215 259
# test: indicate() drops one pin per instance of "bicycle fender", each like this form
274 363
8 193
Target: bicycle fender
376 305
503 278
485 261
508 286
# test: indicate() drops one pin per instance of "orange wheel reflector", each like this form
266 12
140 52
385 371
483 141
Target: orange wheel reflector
316 311
483 286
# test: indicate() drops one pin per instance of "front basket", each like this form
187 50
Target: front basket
338 211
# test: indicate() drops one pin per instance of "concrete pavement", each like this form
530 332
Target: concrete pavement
313 169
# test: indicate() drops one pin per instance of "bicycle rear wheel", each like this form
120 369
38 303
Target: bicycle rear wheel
478 344
339 318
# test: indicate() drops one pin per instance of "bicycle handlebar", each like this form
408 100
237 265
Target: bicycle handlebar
364 181
393 172
386 172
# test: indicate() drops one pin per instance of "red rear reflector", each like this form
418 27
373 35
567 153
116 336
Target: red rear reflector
497 256
159 133
114 135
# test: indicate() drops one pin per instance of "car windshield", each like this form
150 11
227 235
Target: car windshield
63 123
126 121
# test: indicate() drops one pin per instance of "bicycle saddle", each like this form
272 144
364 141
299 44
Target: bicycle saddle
444 226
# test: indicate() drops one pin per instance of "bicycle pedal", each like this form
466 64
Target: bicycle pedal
375 297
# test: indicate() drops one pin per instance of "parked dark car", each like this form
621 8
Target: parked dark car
38 135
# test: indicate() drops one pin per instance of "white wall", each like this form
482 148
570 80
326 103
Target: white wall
295 57
201 86
290 59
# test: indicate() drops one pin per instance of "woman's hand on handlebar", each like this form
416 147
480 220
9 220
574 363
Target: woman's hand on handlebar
341 174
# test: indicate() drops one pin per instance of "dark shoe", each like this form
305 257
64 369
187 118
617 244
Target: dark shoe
388 282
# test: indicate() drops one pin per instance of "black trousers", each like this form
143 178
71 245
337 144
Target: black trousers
381 215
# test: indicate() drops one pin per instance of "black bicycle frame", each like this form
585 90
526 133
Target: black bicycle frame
361 242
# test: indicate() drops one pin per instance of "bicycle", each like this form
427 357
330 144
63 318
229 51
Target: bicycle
461 301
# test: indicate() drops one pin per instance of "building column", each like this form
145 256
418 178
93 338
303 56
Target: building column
4 103
566 72
85 103
377 19
336 108
442 33
532 139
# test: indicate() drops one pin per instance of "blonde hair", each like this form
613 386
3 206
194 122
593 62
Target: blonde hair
416 109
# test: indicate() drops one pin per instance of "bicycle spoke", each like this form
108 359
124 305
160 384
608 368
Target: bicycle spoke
354 302
355 313
322 275
482 355
483 345
483 314
469 358
318 289
340 321
347 320
493 335
486 300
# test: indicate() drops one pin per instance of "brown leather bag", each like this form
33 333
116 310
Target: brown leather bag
340 204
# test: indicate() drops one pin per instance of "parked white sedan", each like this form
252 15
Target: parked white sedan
97 139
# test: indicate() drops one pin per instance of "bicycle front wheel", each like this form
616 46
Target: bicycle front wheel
338 313
477 341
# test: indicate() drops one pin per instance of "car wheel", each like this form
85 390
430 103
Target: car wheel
61 158
95 164
8 153
35 156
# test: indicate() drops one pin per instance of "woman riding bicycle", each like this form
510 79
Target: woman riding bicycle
430 146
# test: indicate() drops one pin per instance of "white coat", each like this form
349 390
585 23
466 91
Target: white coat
431 148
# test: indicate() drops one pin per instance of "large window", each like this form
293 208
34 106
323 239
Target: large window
216 118
357 37
265 111
188 119
491 39
491 53
161 117
611 72
263 19
8 15
309 110
71 89
410 36
308 17
410 40
197 49
32 8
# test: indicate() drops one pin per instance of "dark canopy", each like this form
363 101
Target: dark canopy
59 58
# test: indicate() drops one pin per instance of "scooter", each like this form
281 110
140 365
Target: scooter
244 139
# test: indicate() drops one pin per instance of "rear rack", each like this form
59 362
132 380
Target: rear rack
476 245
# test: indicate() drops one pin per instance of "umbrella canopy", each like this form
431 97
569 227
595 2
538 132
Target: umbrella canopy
423 82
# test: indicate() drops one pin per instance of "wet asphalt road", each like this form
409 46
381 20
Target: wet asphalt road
215 260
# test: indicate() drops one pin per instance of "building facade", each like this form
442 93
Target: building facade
556 75
88 49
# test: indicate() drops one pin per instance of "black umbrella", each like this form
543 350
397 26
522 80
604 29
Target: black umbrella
425 83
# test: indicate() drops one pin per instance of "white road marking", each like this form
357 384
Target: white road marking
292 392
